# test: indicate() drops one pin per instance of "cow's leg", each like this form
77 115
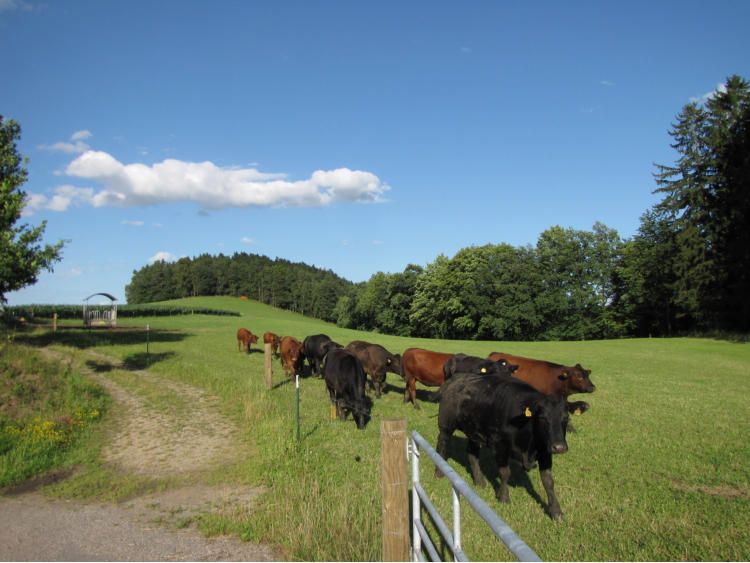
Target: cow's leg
444 440
503 463
378 380
545 473
472 451
411 392
553 507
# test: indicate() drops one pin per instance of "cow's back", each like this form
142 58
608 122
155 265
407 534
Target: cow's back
423 365
374 357
483 407
544 376
548 377
272 339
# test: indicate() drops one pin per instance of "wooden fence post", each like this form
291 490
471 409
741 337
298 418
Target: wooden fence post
268 369
394 478
54 322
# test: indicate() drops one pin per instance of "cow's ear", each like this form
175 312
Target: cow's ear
564 375
578 407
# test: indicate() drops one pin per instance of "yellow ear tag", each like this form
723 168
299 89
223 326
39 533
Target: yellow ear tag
577 412
483 370
528 413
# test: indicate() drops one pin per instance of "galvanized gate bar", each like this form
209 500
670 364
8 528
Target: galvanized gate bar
434 556
515 544
440 523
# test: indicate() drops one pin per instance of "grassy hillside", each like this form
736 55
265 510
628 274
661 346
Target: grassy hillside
657 469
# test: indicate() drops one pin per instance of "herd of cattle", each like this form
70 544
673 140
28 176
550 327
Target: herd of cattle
515 405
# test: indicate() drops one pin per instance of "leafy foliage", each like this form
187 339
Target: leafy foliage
561 289
22 256
280 283
699 230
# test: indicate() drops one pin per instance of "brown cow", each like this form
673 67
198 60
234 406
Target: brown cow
273 340
549 378
377 361
424 366
244 339
291 355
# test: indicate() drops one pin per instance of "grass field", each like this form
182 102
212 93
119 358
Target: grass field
657 469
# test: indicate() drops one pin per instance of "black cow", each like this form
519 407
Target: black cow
509 416
315 348
345 379
377 361
461 363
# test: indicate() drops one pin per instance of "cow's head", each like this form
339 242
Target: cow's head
361 414
501 367
507 366
296 354
549 414
393 364
577 379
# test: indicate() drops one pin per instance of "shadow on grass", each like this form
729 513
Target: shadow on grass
143 360
83 338
488 466
133 362
423 395
99 367
282 383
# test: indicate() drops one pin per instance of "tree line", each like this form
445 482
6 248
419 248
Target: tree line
687 268
288 285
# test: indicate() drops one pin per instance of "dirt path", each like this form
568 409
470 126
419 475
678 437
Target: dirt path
152 441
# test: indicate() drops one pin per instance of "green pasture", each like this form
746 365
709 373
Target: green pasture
657 468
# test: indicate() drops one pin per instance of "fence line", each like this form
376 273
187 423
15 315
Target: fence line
459 487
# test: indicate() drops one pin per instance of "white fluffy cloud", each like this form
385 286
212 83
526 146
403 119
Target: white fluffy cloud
162 256
62 198
203 183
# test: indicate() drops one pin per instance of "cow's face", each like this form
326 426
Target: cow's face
510 367
488 367
578 379
361 417
393 364
297 353
550 417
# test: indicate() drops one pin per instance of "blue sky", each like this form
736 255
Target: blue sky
354 136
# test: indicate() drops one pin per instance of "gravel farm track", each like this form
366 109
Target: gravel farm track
150 443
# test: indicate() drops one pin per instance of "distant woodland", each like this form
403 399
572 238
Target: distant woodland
686 270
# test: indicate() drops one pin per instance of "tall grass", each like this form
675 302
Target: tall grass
45 410
657 469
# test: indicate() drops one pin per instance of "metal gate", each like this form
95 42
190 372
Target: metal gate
419 497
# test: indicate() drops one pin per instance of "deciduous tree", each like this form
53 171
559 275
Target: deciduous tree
22 254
